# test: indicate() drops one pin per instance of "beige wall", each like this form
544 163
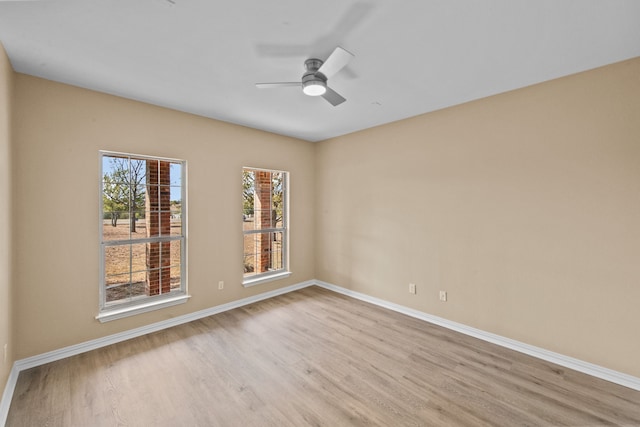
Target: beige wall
524 207
58 132
6 323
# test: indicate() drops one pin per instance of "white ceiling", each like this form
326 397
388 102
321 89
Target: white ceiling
411 56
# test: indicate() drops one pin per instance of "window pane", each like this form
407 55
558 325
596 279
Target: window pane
176 219
120 293
165 280
248 221
248 179
117 279
152 223
176 195
138 257
138 194
175 173
139 230
176 224
115 199
164 226
152 171
151 255
165 197
165 253
175 253
263 252
125 292
114 227
175 278
138 279
249 264
263 218
173 264
115 167
152 201
138 172
117 260
276 251
117 170
115 177
277 183
106 164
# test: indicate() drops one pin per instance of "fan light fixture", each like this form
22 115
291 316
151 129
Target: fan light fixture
314 88
314 80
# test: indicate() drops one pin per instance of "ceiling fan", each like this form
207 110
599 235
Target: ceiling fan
314 80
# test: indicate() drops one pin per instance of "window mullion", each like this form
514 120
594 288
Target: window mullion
144 240
264 230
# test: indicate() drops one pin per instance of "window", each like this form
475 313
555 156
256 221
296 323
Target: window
142 234
265 225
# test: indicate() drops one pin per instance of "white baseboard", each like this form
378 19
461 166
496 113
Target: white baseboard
8 394
52 356
540 353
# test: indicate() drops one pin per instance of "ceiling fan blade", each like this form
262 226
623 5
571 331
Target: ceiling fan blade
280 84
335 62
333 97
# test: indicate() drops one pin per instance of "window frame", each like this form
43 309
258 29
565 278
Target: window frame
144 303
283 272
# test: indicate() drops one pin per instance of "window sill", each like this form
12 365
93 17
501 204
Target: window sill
264 279
119 313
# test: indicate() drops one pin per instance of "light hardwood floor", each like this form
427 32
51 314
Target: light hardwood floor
313 357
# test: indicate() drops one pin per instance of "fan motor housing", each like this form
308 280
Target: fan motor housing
313 82
313 64
312 76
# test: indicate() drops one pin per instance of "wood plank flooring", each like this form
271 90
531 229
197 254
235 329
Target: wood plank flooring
313 358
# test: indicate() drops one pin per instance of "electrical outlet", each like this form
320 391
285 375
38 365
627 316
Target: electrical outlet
443 295
220 285
412 288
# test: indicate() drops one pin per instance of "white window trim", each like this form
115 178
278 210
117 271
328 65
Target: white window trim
285 271
108 313
150 304
268 277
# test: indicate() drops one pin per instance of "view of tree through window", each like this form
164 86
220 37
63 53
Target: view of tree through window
264 222
141 225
